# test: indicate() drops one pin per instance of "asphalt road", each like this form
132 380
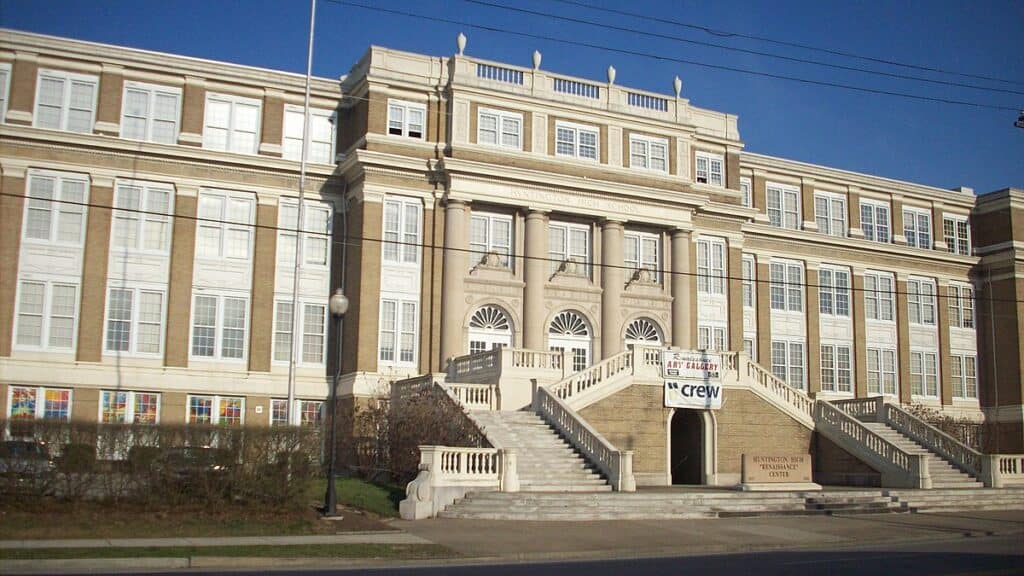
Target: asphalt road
987 556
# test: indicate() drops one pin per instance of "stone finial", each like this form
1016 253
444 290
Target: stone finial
460 42
536 59
678 85
611 74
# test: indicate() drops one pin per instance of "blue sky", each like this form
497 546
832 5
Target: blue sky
938 144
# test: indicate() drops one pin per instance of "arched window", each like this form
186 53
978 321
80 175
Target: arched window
489 328
643 332
570 332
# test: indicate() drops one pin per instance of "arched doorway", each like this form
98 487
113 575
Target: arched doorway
643 332
570 332
489 328
686 437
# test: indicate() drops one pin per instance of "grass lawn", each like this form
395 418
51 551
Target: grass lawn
393 551
379 499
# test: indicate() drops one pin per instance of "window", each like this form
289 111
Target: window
309 412
316 235
917 227
402 224
65 101
710 169
569 248
224 229
490 234
489 328
710 266
47 314
5 85
406 119
232 123
964 373
31 403
313 328
578 141
834 291
750 348
745 190
874 221
924 379
749 276
788 362
783 206
641 251
830 214
921 301
643 332
143 222
957 233
499 128
881 367
398 323
134 320
836 368
321 135
648 153
961 306
150 113
569 333
126 407
711 338
55 210
219 327
878 296
787 286
220 410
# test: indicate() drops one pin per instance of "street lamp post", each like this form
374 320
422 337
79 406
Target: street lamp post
338 305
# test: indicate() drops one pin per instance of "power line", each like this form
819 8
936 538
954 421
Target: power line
744 50
672 59
832 51
347 241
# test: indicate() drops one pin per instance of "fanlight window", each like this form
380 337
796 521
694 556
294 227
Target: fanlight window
569 324
643 331
490 318
489 328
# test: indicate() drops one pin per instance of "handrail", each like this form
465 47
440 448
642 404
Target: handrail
616 465
461 366
591 377
863 408
474 396
896 465
963 456
775 387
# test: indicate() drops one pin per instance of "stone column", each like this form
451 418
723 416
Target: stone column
813 332
853 209
612 282
12 209
193 109
860 338
535 273
94 271
272 123
807 203
682 292
179 286
108 109
945 377
735 294
897 222
22 96
264 269
939 241
453 303
764 313
903 337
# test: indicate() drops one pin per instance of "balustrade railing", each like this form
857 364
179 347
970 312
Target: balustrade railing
861 408
1010 468
589 378
447 473
536 359
801 402
960 454
474 396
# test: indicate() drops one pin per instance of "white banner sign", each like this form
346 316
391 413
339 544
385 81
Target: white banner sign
690 394
692 379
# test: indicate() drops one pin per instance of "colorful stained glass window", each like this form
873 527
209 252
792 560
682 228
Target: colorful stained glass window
23 403
57 404
115 407
200 409
230 411
146 408
310 413
278 412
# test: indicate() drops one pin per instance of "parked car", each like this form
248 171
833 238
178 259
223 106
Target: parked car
25 464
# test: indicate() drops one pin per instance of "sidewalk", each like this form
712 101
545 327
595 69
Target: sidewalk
346 538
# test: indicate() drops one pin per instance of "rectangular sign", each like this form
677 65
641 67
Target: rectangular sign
776 468
691 365
693 394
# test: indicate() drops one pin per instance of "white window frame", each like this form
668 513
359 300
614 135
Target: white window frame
151 90
5 90
143 215
300 406
963 383
134 321
832 296
56 206
310 237
480 250
406 245
711 176
746 192
929 379
222 224
218 327
46 315
790 288
405 130
577 146
917 227
280 356
572 252
884 300
882 372
955 243
750 347
648 145
65 107
782 201
711 274
231 143
922 303
872 233
500 117
214 408
129 409
40 409
712 337
833 220
749 274
648 251
401 305
961 306
831 375
291 146
789 364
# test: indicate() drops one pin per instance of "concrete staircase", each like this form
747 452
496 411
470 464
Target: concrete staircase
545 462
960 500
944 474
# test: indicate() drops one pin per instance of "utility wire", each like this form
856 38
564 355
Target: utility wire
834 52
347 241
744 50
678 60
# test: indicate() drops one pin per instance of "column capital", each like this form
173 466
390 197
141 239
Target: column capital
682 232
533 212
612 223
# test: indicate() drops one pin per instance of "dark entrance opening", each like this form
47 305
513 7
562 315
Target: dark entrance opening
687 436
